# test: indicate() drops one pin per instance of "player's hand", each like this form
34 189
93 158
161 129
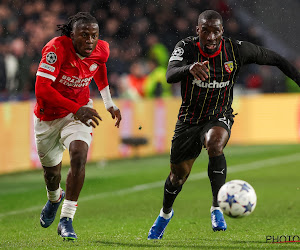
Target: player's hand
88 116
199 70
115 114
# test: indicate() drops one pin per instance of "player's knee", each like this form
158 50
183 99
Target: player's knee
51 174
78 159
214 148
177 180
180 172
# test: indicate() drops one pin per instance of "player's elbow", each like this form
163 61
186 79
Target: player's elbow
40 91
169 77
42 87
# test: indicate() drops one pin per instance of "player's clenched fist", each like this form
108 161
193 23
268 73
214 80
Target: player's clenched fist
199 70
88 116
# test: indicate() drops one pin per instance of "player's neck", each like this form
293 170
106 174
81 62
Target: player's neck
80 56
209 55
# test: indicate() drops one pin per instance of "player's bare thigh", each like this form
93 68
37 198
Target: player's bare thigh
215 140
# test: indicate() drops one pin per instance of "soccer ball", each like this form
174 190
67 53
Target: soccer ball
237 198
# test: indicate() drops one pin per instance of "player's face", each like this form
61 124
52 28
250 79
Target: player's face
85 38
210 33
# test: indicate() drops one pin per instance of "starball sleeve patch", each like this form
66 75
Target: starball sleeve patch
177 54
51 58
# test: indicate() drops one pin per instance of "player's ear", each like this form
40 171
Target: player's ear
198 30
72 35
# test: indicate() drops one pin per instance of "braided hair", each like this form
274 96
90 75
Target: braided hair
84 17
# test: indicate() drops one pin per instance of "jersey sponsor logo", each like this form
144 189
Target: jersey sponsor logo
51 57
210 85
177 54
75 81
47 67
93 67
228 66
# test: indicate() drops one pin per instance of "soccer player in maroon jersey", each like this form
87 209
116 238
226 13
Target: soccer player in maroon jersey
64 114
207 66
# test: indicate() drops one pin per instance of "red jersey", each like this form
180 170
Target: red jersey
63 77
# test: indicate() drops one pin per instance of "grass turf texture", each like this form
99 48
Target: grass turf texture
121 199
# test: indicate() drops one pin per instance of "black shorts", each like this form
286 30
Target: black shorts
188 139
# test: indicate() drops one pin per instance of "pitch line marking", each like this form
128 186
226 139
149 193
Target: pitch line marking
234 169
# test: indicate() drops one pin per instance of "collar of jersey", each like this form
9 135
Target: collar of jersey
210 55
80 56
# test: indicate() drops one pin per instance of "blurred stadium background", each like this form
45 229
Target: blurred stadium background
142 34
122 194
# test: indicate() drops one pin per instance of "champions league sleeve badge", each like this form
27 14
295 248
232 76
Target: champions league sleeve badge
177 54
51 58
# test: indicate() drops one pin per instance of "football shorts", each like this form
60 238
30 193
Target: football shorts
188 139
53 137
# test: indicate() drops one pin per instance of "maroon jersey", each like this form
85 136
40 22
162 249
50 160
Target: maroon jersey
70 75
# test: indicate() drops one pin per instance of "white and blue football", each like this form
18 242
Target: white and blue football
237 198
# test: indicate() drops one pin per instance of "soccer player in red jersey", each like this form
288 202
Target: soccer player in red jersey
64 114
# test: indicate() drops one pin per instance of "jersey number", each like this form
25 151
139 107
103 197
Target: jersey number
226 121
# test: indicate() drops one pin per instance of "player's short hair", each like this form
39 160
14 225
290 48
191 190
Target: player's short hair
84 17
210 14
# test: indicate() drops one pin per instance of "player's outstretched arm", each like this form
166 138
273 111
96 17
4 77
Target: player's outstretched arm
111 106
102 83
251 53
176 72
115 114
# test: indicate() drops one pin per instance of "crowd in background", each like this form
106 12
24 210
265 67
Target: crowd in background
141 34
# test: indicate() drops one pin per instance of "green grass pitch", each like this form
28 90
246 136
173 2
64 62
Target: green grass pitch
121 199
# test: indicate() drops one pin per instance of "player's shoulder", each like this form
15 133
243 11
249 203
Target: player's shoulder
59 40
59 43
188 41
183 48
232 41
102 50
103 46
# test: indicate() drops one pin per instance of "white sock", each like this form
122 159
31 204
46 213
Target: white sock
165 216
68 209
215 208
54 196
